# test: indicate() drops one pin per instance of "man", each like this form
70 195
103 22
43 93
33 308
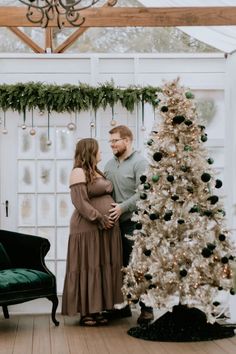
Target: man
124 171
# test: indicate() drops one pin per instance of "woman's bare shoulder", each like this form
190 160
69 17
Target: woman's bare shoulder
77 176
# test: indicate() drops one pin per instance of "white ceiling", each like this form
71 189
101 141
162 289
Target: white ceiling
220 37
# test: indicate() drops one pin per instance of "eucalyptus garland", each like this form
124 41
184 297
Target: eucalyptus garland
73 98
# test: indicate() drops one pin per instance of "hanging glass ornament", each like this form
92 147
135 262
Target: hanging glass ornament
48 140
113 121
143 128
32 130
24 126
93 125
72 126
4 130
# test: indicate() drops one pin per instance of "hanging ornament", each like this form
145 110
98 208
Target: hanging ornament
24 126
4 130
93 124
72 126
32 130
49 141
113 121
143 128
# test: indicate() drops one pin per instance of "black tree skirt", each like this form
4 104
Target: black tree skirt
183 324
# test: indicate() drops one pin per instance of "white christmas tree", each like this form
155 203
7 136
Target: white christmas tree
182 248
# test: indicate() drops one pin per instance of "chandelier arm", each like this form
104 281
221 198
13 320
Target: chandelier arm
57 8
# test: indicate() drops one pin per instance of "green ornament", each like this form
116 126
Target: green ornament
210 160
187 148
155 178
146 186
189 95
203 138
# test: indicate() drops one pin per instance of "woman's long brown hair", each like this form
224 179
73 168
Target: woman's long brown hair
86 158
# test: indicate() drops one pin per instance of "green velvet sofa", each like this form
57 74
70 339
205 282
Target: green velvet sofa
23 273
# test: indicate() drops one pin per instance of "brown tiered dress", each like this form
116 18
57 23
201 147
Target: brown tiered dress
94 259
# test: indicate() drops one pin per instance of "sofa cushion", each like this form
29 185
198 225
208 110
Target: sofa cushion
21 279
4 259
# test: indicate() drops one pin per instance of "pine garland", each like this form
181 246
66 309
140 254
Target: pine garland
73 98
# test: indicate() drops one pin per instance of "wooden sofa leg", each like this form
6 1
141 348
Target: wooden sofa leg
5 311
54 300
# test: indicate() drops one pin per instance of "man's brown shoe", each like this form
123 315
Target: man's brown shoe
145 318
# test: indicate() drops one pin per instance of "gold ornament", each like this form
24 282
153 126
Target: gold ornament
113 122
32 131
71 126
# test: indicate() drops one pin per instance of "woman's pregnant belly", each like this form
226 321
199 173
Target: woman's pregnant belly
102 204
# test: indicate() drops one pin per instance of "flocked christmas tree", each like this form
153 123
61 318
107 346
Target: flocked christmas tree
182 248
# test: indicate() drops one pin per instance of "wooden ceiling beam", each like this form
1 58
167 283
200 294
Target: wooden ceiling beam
26 39
11 16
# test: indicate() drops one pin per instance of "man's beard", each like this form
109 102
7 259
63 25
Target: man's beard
120 152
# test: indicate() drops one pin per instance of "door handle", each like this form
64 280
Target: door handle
6 206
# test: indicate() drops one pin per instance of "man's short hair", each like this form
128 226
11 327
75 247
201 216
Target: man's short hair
123 130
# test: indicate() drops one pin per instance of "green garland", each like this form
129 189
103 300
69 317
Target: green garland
73 98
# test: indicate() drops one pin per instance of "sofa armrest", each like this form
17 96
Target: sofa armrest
25 251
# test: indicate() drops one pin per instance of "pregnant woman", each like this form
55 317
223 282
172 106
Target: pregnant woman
94 259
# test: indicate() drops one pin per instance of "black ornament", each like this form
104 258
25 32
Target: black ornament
213 199
170 178
152 286
183 272
208 213
219 183
143 196
129 296
210 160
153 216
168 215
135 301
147 253
188 122
164 109
178 119
222 237
157 156
204 138
205 177
181 221
202 127
150 142
184 168
220 288
190 189
211 246
206 253
232 291
216 303
222 211
143 178
175 197
231 258
224 260
148 276
138 225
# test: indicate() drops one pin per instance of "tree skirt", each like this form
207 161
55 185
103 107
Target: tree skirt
183 324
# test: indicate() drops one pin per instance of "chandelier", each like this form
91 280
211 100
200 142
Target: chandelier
43 11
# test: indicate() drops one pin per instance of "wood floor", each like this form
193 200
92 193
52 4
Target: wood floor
36 334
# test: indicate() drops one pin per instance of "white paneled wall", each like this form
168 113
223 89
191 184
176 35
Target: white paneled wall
205 74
